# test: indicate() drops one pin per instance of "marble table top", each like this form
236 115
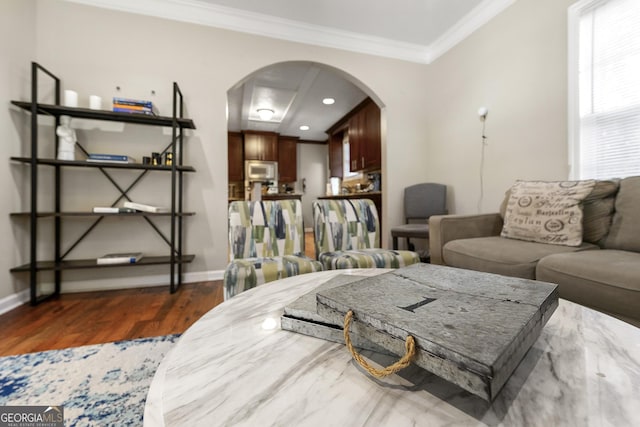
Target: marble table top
229 369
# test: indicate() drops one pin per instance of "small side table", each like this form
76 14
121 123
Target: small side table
411 231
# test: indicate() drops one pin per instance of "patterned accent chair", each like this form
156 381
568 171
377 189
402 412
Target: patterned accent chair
347 235
266 241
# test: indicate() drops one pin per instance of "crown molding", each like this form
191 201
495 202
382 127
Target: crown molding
198 12
473 20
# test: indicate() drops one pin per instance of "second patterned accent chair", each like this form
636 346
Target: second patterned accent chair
266 242
347 235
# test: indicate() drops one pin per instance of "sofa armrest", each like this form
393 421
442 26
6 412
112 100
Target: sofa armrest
445 228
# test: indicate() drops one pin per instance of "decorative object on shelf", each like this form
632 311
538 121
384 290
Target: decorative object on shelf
125 105
146 160
95 102
119 258
168 158
66 139
70 98
156 159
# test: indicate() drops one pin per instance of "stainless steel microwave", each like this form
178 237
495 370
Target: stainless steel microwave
259 170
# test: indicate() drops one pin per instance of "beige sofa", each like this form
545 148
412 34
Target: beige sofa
602 273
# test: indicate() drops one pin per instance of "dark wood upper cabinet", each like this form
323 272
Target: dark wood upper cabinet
287 159
260 145
364 138
235 156
371 149
363 127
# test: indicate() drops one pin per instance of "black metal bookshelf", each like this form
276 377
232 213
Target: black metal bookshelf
60 262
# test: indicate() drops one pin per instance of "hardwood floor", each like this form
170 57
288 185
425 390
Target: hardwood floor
85 318
309 249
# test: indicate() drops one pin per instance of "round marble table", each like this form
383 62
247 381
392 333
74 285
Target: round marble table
228 370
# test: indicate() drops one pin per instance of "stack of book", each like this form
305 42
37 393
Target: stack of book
125 105
110 158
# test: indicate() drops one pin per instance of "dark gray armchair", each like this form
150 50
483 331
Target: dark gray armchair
421 201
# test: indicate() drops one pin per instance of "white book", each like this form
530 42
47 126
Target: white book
119 258
145 208
109 209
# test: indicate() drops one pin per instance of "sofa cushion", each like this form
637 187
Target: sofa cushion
546 211
496 254
625 229
597 210
608 280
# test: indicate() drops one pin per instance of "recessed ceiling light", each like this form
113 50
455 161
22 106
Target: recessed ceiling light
304 127
328 101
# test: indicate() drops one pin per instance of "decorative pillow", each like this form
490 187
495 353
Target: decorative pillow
546 211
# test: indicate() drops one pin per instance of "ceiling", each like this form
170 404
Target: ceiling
411 30
294 91
418 22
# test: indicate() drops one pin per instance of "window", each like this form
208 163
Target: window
604 84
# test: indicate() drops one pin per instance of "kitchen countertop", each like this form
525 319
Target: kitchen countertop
360 195
281 196
278 196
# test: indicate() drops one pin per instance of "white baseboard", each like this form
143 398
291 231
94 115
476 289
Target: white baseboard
10 302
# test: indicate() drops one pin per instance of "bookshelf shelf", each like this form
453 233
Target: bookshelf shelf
60 261
85 164
95 214
91 263
85 113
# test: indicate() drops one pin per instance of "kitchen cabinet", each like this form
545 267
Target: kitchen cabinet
235 156
260 145
287 159
362 126
365 138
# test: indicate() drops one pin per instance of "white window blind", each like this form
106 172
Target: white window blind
607 138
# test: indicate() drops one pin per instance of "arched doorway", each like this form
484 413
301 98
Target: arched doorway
303 100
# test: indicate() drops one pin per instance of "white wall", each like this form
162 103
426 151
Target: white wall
94 50
516 65
312 166
17 49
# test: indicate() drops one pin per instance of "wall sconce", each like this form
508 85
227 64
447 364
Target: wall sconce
265 114
482 113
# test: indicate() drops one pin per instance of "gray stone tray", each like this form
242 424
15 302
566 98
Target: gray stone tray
301 316
471 328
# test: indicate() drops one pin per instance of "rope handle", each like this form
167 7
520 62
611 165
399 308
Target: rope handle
410 351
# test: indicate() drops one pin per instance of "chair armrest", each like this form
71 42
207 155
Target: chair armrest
445 228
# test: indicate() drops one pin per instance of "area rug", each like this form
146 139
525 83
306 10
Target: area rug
98 385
